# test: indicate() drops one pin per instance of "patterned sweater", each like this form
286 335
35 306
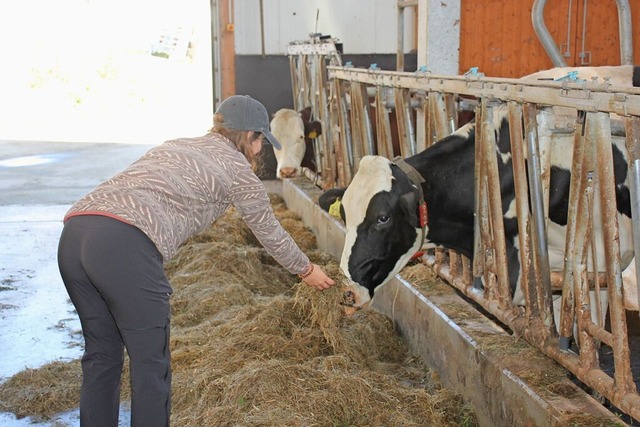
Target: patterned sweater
179 188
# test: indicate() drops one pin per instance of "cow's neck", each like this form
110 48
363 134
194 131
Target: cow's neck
417 180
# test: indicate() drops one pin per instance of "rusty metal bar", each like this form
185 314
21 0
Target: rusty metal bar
383 125
356 120
622 375
404 136
479 209
429 125
495 205
588 96
579 253
326 140
522 207
539 237
439 115
343 151
567 318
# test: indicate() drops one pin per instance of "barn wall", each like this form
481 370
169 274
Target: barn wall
498 36
363 27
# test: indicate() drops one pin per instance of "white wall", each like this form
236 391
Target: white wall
363 26
81 70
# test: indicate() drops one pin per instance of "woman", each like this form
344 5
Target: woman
116 239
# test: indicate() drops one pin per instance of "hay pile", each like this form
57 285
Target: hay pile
251 346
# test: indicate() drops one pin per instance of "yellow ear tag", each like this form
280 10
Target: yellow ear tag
313 134
334 209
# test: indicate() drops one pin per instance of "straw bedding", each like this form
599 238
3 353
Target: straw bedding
253 346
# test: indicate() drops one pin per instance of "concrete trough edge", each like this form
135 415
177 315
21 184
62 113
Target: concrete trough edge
484 379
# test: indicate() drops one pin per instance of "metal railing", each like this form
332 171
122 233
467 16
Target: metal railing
370 111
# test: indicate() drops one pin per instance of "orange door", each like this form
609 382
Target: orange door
497 36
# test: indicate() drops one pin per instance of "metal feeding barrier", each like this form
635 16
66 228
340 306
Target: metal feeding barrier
389 113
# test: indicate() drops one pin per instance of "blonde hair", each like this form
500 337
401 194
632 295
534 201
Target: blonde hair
242 139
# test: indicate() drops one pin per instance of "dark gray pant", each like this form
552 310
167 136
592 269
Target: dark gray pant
115 277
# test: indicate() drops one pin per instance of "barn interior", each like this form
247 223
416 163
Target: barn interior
433 349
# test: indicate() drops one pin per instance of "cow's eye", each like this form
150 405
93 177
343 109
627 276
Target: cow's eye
383 219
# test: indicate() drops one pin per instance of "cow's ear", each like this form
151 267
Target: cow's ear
409 206
313 129
305 114
329 197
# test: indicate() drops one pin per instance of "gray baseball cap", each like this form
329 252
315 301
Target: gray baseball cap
241 112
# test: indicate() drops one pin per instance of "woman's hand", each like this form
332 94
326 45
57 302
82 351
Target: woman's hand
314 276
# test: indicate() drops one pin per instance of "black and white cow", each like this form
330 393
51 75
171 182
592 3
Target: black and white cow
295 131
380 207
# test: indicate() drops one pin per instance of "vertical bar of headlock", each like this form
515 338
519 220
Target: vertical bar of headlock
326 137
495 205
438 113
304 80
367 127
314 102
479 209
586 342
422 122
408 113
383 124
295 84
622 375
452 120
354 119
632 128
567 316
522 203
428 120
345 128
452 111
362 108
541 252
342 156
404 136
485 250
332 123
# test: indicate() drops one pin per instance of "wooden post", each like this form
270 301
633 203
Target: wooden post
227 49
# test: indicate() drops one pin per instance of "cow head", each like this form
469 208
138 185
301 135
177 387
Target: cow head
294 130
383 232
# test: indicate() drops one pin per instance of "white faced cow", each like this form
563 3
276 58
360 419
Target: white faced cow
295 131
380 207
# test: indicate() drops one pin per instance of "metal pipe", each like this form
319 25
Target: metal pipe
582 53
632 125
626 33
262 27
541 250
215 54
567 52
537 18
575 191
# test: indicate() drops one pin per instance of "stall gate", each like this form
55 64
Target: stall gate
356 105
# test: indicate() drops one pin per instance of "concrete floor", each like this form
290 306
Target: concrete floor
38 183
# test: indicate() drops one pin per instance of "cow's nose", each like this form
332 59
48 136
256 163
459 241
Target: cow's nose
288 172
